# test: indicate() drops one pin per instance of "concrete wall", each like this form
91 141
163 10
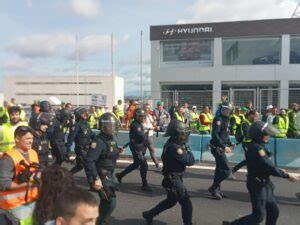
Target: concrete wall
28 88
284 151
218 74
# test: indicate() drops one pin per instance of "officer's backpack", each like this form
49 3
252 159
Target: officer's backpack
238 134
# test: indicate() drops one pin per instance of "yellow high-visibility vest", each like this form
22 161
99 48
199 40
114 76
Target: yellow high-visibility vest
238 121
179 117
120 111
100 112
208 119
23 115
7 138
246 138
282 126
242 116
194 119
93 119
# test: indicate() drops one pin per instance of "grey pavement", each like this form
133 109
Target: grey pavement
131 201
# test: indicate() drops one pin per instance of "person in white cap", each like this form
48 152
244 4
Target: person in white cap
268 115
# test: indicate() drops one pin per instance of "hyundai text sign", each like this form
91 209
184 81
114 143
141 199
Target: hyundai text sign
193 30
252 28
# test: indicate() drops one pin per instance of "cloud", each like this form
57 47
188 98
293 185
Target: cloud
28 3
40 45
132 79
135 60
231 10
94 44
60 44
126 37
85 8
16 65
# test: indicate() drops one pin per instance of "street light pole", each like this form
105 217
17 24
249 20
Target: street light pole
141 67
77 76
112 69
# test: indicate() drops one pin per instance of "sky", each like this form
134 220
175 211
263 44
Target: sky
40 37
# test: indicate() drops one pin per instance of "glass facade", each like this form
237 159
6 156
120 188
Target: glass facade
199 51
251 51
295 50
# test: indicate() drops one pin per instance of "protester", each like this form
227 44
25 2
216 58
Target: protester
55 183
162 116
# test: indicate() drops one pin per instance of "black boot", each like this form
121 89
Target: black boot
226 223
146 187
215 193
231 176
148 217
221 193
119 177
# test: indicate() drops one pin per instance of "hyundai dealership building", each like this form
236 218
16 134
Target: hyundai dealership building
256 61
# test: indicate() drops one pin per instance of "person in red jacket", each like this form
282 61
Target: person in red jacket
130 111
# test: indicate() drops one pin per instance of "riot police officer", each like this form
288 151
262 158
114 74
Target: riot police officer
260 168
138 140
82 134
40 139
176 156
56 134
220 144
100 164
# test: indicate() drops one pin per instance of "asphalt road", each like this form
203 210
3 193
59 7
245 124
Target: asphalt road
131 201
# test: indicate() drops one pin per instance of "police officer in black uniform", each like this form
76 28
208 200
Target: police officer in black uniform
176 156
220 145
40 139
138 140
82 134
56 134
100 164
260 168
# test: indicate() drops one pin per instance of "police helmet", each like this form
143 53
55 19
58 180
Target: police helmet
45 106
259 129
226 109
176 127
139 113
108 124
226 105
63 115
80 111
43 118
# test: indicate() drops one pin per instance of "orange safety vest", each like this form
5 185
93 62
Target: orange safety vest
12 199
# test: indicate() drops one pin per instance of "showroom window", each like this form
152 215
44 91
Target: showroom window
193 51
295 50
252 51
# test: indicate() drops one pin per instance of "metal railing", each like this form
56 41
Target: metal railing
260 97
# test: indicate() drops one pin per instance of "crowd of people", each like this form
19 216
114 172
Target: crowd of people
33 192
201 121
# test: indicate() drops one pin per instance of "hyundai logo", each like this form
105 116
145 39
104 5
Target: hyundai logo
169 31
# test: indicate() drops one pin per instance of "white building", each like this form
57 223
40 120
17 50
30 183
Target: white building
246 60
26 89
